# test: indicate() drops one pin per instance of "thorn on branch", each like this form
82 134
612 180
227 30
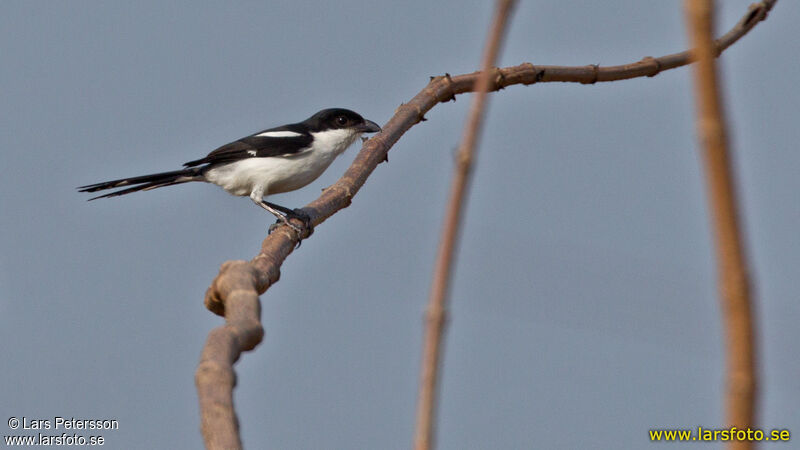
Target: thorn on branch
348 197
420 114
450 95
417 108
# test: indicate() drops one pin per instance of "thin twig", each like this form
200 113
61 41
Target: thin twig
215 376
443 268
734 286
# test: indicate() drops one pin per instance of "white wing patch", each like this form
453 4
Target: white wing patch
278 134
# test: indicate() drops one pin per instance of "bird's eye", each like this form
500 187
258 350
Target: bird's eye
341 120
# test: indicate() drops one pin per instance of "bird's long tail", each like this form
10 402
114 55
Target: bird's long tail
144 182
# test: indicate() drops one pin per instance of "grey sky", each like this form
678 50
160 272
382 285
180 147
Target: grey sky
584 307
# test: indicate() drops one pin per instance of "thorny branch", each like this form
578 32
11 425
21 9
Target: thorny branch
234 292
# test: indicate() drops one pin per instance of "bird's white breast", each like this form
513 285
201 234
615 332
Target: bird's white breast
273 175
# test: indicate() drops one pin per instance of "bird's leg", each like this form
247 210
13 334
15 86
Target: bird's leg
286 211
291 214
284 215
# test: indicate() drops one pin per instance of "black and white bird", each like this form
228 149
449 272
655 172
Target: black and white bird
272 161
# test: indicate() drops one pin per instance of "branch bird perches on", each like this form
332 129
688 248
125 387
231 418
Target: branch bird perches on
234 292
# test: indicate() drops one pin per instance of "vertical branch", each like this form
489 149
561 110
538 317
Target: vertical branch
215 377
734 286
436 313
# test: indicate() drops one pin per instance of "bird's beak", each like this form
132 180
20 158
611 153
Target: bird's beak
369 127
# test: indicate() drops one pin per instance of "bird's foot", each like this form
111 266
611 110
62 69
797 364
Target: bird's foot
286 220
305 218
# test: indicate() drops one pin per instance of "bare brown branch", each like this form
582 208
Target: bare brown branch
442 272
215 377
242 332
734 286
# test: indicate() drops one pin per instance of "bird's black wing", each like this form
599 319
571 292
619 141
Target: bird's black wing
256 146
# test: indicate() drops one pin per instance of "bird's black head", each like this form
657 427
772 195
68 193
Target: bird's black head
340 118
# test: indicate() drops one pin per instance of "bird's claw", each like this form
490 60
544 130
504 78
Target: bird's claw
296 214
305 218
277 225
